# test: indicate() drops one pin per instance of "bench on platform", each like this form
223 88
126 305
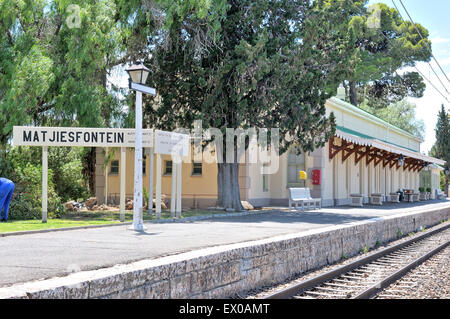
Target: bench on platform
376 199
357 200
302 196
393 198
315 201
439 194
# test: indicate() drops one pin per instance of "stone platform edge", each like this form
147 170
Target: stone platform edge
223 271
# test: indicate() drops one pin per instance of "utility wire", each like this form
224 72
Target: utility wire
420 34
389 40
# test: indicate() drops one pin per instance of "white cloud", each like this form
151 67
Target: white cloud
429 105
439 40
444 62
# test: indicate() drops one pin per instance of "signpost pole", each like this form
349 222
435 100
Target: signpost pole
138 186
44 182
106 176
123 158
173 198
179 164
150 186
158 186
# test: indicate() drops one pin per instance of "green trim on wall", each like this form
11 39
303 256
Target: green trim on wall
349 131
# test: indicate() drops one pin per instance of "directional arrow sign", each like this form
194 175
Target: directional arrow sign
142 88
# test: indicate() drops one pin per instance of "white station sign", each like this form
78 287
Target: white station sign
170 143
78 136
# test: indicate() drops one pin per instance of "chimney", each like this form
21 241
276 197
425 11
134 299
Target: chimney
341 92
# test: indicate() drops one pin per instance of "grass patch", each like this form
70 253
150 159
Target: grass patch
90 218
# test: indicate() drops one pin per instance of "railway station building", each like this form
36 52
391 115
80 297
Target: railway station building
361 159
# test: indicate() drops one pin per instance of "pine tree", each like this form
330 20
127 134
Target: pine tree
442 146
384 44
270 64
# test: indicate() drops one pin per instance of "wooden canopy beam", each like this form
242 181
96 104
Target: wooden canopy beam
335 149
387 160
351 151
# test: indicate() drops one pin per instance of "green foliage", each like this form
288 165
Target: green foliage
271 64
26 203
384 44
22 165
377 243
52 73
145 194
401 114
67 166
258 74
441 149
443 135
364 250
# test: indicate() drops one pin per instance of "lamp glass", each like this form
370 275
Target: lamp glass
135 75
144 76
401 161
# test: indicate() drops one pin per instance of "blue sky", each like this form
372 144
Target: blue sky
433 15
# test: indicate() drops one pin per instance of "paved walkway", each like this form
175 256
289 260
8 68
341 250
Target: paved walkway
45 255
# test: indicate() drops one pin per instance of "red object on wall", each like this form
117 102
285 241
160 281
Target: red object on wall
316 176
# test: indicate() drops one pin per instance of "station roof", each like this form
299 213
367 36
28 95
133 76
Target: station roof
359 138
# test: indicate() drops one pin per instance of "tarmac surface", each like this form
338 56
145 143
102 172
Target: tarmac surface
45 255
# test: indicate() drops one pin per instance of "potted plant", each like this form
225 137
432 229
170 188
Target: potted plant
423 195
428 193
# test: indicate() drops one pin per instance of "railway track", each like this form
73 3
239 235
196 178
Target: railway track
430 280
366 277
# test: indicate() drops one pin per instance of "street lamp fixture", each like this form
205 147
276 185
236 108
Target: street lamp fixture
401 161
138 73
138 76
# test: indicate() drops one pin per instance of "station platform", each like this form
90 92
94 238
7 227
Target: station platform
38 257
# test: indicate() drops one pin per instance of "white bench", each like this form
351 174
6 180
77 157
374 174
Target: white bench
299 195
316 201
439 194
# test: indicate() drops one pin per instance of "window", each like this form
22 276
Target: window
196 169
114 168
296 163
168 168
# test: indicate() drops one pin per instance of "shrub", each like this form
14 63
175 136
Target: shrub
26 202
421 189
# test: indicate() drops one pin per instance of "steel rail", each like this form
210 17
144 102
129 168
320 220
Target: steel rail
320 279
382 284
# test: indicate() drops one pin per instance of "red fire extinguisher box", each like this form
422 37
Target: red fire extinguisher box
316 176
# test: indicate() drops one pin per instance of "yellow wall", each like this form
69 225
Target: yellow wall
201 187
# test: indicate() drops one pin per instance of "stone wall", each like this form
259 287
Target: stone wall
223 271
